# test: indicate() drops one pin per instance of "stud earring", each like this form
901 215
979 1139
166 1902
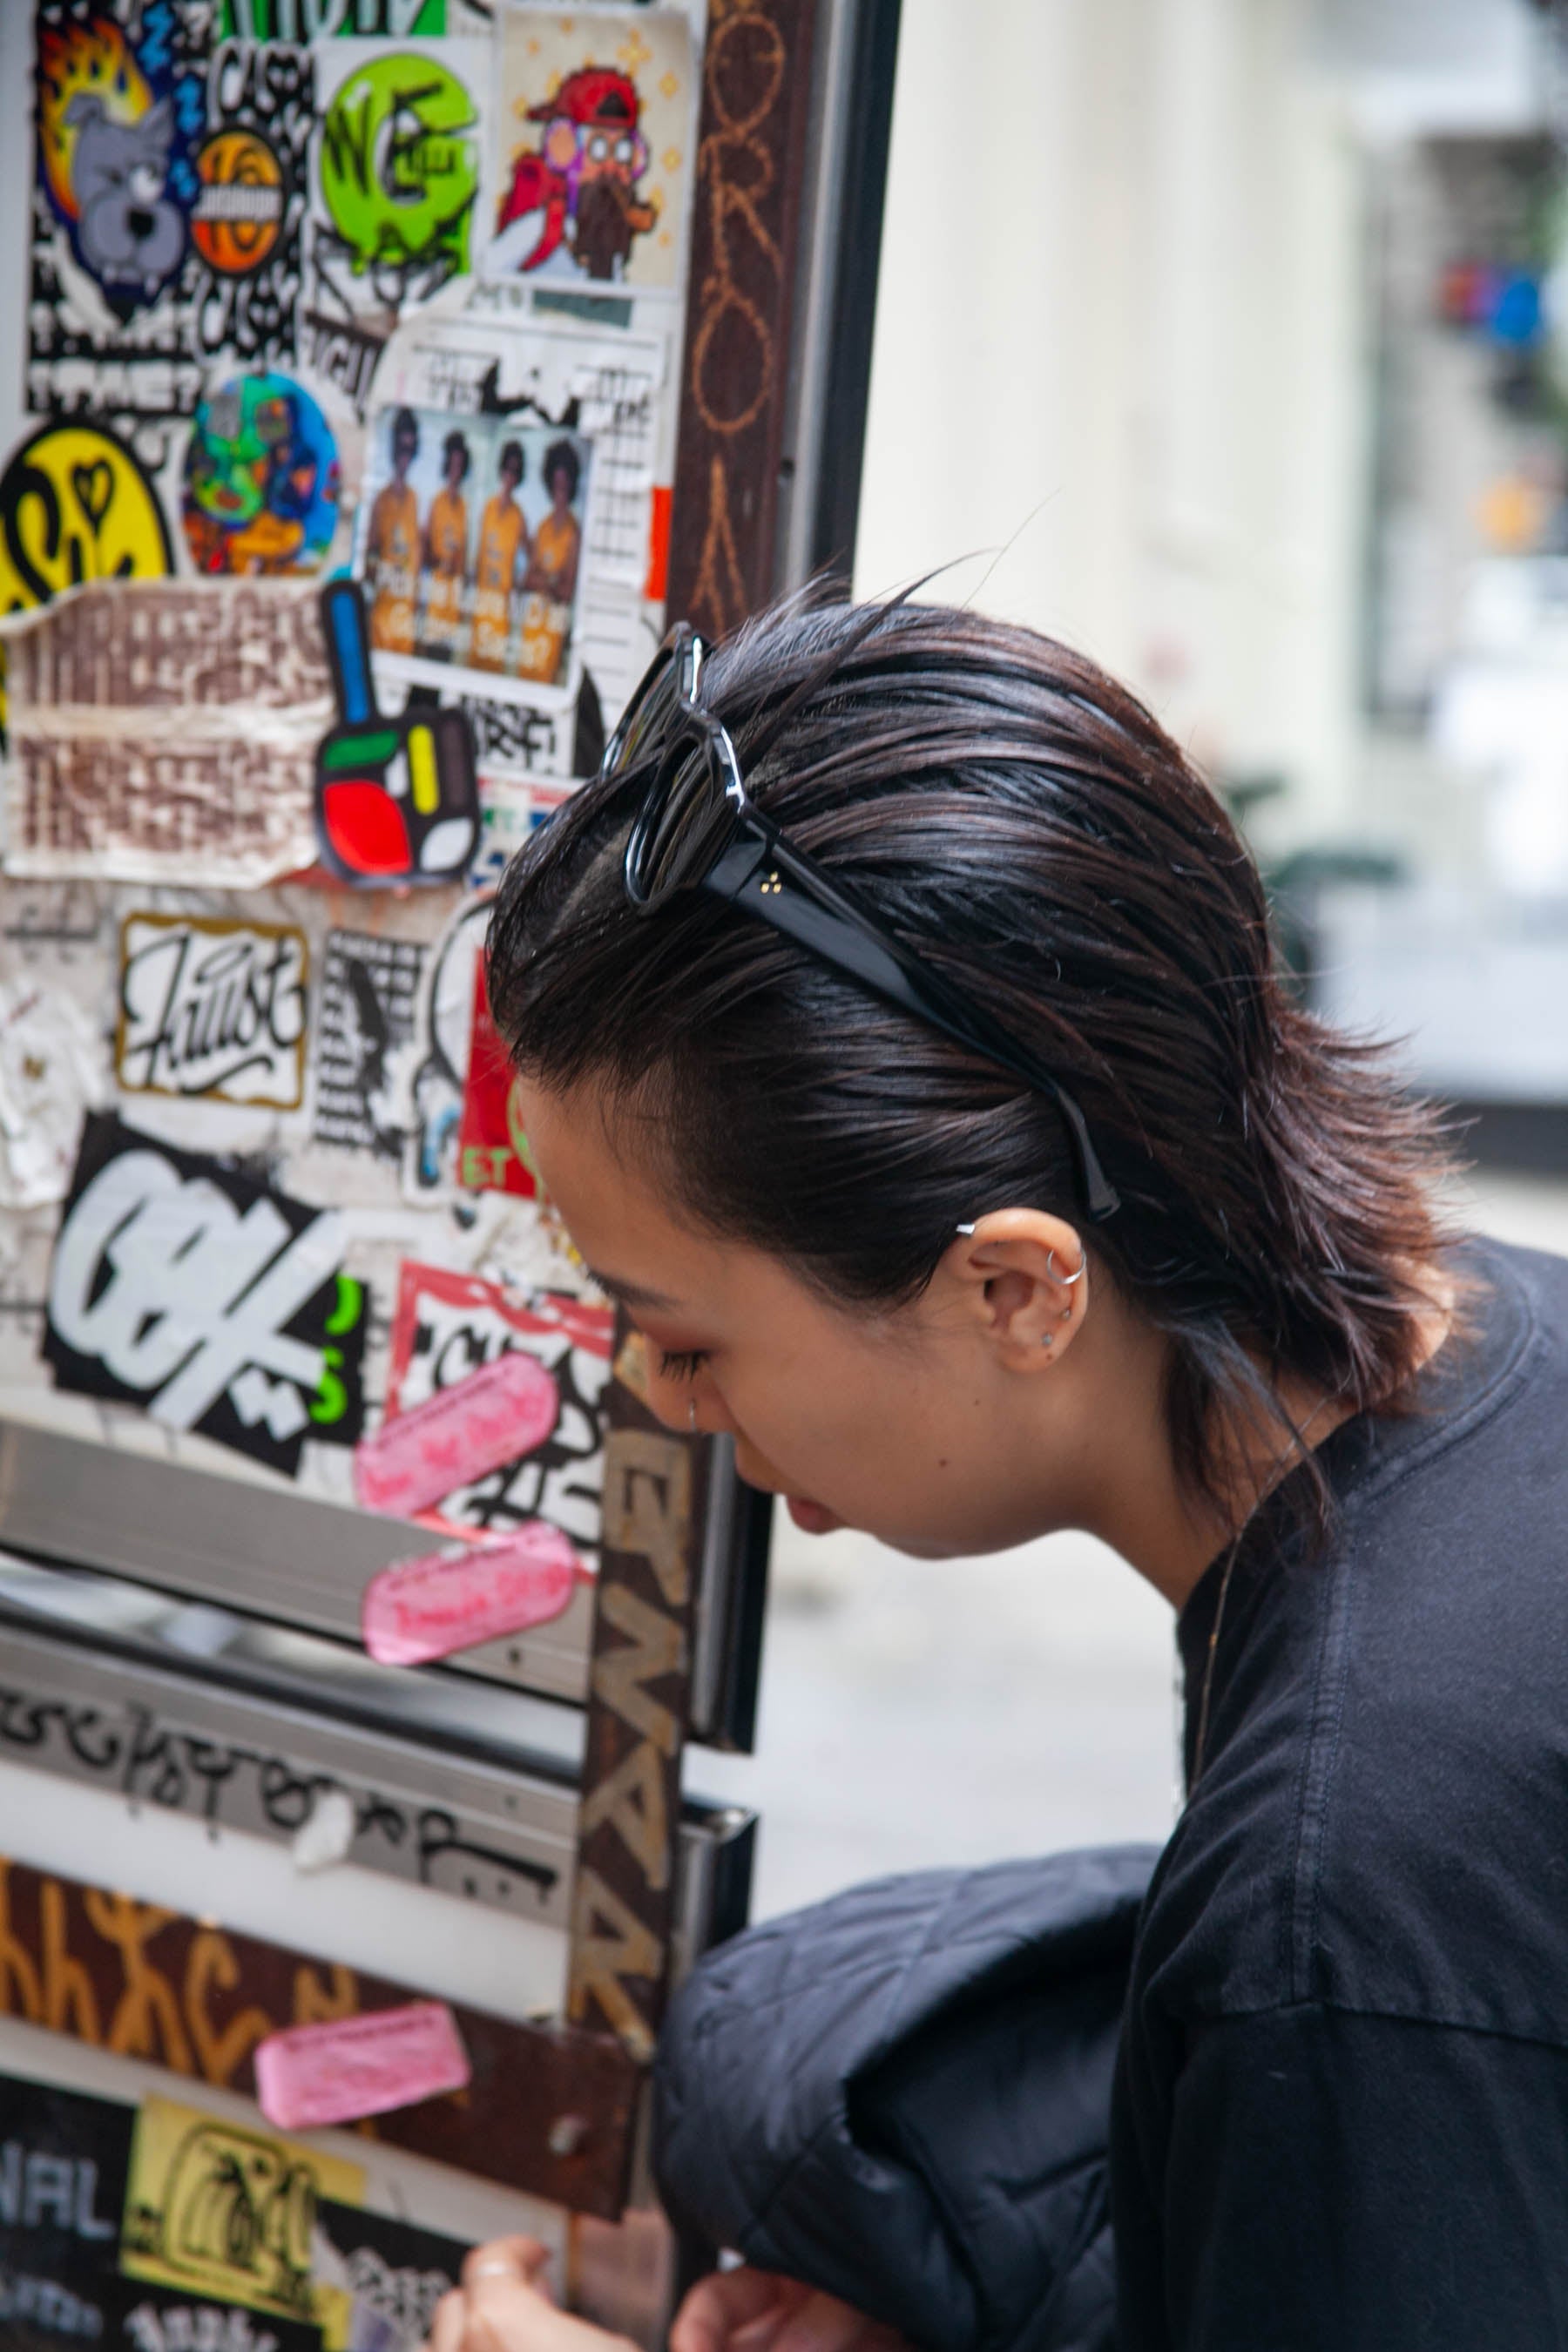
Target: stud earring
965 1230
1048 1338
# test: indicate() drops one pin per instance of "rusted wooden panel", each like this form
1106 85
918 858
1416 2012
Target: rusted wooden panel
550 2110
756 94
639 1679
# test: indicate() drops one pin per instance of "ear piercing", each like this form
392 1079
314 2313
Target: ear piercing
965 1230
691 1415
1054 1270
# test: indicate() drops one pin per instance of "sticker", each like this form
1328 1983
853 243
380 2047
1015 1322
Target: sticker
64 2162
249 209
218 1306
493 1149
434 1606
176 745
309 20
223 2211
596 127
459 1433
76 504
161 2319
446 1026
260 479
52 1071
210 1008
512 810
395 798
346 2067
446 1326
385 2276
366 1012
471 548
120 112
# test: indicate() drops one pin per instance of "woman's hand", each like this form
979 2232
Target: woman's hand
753 2311
504 2305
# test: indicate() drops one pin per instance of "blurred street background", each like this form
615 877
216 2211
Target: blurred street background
1231 337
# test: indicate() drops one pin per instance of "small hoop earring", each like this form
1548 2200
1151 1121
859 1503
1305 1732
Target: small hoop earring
1058 1275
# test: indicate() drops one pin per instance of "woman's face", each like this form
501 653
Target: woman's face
930 1427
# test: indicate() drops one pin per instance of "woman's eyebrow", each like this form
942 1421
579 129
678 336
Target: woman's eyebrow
634 1294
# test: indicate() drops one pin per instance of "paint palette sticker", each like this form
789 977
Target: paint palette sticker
396 800
211 1009
222 2211
445 1326
216 1305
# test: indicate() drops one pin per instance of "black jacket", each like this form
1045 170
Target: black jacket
902 2096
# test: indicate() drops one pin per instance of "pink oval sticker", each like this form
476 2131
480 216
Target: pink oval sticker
427 1608
354 2066
497 1414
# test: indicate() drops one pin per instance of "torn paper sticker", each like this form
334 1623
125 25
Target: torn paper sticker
53 1070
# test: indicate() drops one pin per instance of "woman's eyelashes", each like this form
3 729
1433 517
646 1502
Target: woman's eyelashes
682 1363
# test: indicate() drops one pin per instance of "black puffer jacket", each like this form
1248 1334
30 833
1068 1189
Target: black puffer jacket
902 2096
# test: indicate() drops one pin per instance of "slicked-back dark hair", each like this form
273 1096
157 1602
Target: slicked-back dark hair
1022 822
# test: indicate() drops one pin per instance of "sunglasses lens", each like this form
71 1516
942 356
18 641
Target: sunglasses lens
638 739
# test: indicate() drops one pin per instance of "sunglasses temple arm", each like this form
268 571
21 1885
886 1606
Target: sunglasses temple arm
758 873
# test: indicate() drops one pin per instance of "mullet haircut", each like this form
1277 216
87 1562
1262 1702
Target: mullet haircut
1023 824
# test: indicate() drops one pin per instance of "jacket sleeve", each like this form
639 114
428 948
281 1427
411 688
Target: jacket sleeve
1371 2183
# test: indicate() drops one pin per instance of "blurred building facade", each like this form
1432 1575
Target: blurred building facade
1240 327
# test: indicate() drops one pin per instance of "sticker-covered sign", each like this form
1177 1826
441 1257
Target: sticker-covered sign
386 2276
448 1325
222 2211
211 1008
218 1306
163 2320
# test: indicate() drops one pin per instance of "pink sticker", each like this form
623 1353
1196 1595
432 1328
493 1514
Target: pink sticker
421 1608
354 2066
496 1414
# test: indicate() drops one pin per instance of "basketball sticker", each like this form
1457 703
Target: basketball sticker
238 214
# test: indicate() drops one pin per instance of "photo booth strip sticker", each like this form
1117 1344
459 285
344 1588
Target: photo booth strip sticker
493 1149
460 1433
77 504
447 1324
211 1009
179 1286
346 2067
471 545
366 1013
162 730
596 127
433 1607
197 2185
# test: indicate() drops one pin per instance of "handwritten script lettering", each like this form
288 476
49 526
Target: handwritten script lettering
209 1008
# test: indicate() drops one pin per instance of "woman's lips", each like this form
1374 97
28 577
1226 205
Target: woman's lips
811 1518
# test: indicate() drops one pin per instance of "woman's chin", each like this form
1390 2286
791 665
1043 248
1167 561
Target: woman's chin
811 1518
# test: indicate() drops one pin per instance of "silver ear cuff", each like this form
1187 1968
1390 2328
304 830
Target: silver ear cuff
1058 1275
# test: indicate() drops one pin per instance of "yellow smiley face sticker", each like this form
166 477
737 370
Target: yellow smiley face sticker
76 504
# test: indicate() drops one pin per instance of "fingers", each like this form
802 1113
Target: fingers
518 2259
719 2307
823 2323
446 2327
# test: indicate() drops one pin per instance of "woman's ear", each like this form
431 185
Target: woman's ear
1023 1278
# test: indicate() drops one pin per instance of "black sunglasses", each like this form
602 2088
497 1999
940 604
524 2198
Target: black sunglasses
696 829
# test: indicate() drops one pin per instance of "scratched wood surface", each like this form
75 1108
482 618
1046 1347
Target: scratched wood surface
550 2110
639 1680
756 88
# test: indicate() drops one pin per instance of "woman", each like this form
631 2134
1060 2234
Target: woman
1109 1235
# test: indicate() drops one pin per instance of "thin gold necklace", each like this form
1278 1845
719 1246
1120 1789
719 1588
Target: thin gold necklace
1203 1731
